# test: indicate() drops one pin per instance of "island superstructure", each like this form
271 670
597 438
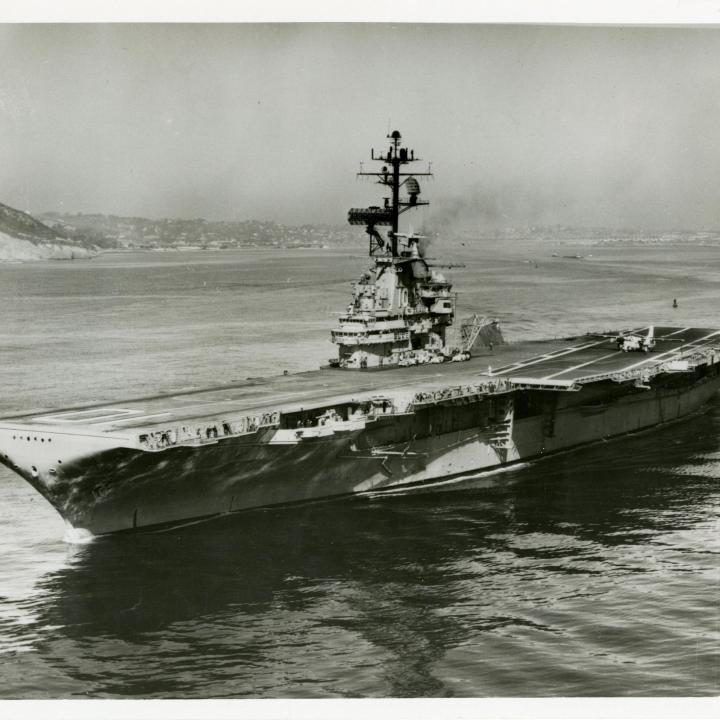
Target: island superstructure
401 307
402 405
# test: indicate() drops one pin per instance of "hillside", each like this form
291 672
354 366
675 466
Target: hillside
138 233
22 238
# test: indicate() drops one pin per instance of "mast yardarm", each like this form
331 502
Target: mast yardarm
391 176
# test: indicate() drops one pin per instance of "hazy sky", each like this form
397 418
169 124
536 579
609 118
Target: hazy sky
586 126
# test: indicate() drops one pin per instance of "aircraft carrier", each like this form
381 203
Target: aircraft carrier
399 406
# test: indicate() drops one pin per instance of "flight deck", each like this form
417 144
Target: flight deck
601 356
555 364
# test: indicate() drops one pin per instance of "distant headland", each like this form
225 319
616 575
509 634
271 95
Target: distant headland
22 238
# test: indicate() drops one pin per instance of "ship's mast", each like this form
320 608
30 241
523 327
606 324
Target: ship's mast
392 177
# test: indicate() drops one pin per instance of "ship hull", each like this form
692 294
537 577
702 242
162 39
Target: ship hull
107 489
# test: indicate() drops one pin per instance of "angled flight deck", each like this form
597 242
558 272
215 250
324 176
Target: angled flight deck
598 357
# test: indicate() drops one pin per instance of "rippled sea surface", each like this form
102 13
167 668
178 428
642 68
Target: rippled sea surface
594 573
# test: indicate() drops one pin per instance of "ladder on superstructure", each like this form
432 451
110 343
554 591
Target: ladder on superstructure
470 331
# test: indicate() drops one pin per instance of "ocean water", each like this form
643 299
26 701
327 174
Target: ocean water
594 573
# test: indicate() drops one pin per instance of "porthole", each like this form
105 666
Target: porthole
28 438
42 439
59 462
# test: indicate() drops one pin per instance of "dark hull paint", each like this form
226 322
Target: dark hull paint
124 489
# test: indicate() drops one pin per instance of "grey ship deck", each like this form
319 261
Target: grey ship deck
537 362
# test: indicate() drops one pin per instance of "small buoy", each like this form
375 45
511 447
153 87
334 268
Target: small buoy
675 302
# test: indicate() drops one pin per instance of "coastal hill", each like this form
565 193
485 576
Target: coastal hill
73 235
22 238
114 232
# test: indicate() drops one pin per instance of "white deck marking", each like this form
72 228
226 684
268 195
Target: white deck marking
604 357
134 418
698 341
552 356
89 416
581 365
100 416
249 410
546 356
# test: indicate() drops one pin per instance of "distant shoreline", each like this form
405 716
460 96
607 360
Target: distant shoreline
72 253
